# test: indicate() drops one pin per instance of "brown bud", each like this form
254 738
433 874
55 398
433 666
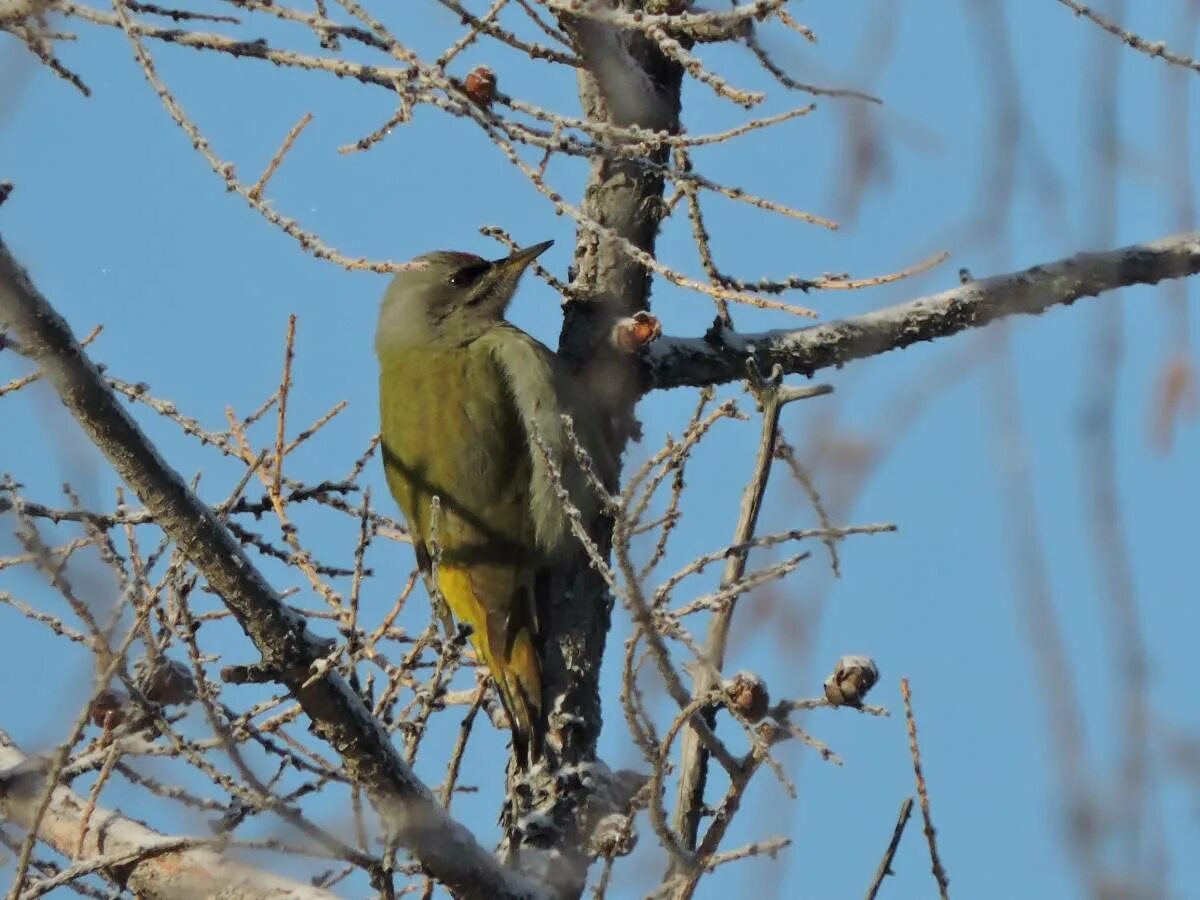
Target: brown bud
166 681
481 86
638 330
108 709
852 678
747 695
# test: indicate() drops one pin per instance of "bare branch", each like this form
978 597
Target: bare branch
720 355
1150 48
693 766
151 864
939 871
885 864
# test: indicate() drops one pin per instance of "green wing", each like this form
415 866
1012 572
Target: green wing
542 390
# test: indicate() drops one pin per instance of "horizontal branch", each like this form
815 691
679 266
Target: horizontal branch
411 816
720 355
135 857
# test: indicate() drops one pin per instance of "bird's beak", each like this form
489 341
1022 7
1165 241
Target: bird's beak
519 259
495 289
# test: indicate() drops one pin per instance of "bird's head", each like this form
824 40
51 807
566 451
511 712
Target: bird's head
450 297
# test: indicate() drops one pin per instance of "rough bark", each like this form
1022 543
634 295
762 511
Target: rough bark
627 81
720 355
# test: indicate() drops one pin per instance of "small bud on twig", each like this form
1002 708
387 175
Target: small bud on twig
481 86
633 332
852 678
108 709
747 695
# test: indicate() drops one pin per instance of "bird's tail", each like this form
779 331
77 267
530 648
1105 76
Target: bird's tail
518 680
505 645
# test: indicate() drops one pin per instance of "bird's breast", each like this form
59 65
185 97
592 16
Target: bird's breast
449 428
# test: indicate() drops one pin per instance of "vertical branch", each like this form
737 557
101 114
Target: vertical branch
935 859
693 767
285 387
625 80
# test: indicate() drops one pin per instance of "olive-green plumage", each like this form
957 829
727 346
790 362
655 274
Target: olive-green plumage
461 394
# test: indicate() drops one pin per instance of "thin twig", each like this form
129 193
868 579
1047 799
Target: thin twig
285 387
885 864
255 192
939 872
693 758
1150 48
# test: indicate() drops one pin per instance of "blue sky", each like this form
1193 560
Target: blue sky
121 223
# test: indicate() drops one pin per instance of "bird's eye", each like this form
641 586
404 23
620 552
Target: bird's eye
464 276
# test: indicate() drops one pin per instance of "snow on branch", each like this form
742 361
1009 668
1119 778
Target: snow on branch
720 356
135 857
